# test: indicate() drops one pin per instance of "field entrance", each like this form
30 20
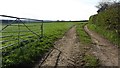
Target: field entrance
28 42
25 40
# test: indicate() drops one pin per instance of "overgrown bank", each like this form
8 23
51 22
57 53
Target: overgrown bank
107 23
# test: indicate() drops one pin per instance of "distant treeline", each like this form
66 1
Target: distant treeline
17 21
71 21
8 21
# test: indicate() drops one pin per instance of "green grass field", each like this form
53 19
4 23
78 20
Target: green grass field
33 48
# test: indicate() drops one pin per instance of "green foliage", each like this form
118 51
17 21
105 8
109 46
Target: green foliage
107 23
109 34
92 19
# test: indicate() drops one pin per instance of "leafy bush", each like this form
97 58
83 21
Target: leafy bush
107 23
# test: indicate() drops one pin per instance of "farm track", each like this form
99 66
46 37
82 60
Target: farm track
69 51
105 51
66 51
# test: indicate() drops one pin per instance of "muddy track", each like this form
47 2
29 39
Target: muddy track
66 51
103 49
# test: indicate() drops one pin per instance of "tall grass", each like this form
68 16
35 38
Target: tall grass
108 34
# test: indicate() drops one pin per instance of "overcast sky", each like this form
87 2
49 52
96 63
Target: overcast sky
49 9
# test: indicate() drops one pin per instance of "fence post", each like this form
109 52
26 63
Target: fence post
42 29
19 31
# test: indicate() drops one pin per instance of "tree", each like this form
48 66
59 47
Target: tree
103 5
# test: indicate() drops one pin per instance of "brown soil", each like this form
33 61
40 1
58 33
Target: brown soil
68 51
103 49
65 52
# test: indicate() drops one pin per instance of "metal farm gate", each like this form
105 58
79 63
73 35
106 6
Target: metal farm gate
17 32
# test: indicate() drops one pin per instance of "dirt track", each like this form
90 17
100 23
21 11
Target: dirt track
68 51
103 49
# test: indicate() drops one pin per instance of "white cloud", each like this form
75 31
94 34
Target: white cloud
49 9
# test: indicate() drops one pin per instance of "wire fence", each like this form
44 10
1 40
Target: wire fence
18 31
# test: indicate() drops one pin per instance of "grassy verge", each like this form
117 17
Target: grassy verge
86 41
84 38
91 60
109 34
